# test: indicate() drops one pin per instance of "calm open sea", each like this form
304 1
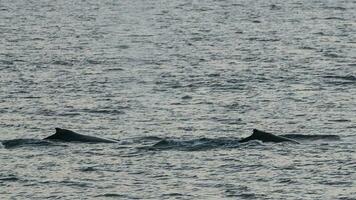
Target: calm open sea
192 75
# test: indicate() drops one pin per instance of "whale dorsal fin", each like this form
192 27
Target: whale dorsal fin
266 137
259 133
60 134
61 131
71 136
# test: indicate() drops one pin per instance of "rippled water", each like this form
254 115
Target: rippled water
198 74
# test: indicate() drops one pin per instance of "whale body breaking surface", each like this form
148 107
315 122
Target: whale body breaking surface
65 135
62 136
267 137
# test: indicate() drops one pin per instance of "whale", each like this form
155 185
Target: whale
266 137
64 135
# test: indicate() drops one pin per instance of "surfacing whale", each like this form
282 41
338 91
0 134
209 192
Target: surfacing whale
266 137
64 135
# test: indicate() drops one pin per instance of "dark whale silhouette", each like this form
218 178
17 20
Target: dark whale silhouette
266 137
70 136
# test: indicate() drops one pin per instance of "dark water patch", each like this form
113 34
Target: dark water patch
104 111
116 112
214 75
114 69
113 195
195 144
311 137
227 121
31 97
186 128
275 7
334 18
336 183
62 62
66 114
187 97
138 141
346 198
346 77
71 183
6 62
202 144
286 181
38 39
170 84
249 196
116 196
332 55
308 48
149 138
9 178
340 80
15 143
140 35
20 61
351 127
88 169
339 120
176 195
319 33
341 83
256 21
94 62
335 8
123 46
234 81
263 39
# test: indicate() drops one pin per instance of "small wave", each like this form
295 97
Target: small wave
25 143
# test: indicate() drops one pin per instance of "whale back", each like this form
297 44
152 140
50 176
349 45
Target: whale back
70 136
266 137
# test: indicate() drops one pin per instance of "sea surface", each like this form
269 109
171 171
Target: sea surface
178 82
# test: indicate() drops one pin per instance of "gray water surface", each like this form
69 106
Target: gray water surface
147 70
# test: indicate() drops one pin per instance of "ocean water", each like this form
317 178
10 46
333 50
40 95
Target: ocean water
178 82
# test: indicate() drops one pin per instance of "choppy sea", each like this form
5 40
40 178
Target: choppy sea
178 82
